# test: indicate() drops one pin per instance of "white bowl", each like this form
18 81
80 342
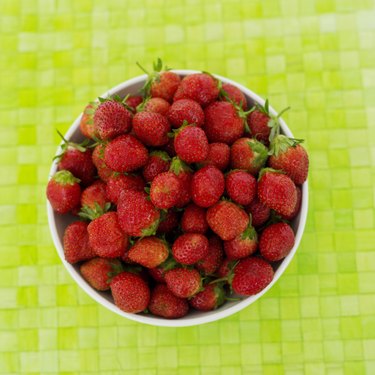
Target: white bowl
58 223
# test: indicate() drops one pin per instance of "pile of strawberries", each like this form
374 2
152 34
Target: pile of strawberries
182 195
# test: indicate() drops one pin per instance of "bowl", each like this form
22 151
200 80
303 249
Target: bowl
58 223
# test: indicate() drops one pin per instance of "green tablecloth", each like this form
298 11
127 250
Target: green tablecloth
317 56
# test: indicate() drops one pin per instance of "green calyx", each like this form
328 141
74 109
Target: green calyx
178 166
116 267
82 147
265 170
249 232
220 295
118 99
161 154
151 230
176 131
65 177
168 264
282 143
92 213
260 153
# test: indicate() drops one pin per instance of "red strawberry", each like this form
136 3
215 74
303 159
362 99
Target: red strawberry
191 144
289 156
165 190
157 274
251 276
248 154
194 219
106 237
137 215
223 123
125 154
227 220
157 105
260 213
207 186
94 196
165 304
218 156
120 182
130 292
149 252
86 124
185 174
104 171
211 262
241 186
168 221
63 192
276 241
133 101
190 248
158 162
243 245
98 272
234 94
297 206
277 191
112 119
151 128
185 111
183 282
210 298
76 243
201 87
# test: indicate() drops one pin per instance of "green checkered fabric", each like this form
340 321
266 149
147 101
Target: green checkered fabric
316 56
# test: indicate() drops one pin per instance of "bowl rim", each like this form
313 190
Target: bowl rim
184 321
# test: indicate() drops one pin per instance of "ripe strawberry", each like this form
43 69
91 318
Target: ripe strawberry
260 213
165 304
276 241
297 206
234 94
210 298
120 182
212 261
130 292
251 276
106 237
190 248
194 219
156 105
289 156
165 190
63 192
207 186
227 220
137 215
104 171
112 119
98 272
94 196
248 154
185 110
158 162
86 124
243 245
277 191
185 174
168 221
151 128
76 243
183 282
241 186
218 156
191 144
200 87
133 101
125 154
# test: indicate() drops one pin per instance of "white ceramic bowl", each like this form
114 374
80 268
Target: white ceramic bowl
58 223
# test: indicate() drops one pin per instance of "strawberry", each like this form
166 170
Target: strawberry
248 154
190 248
112 119
157 274
158 162
185 110
165 304
185 174
94 195
289 156
63 192
207 186
211 262
86 124
137 215
225 268
227 220
106 237
125 154
251 276
234 94
200 87
157 105
276 241
218 156
240 186
117 183
76 243
191 144
210 298
277 191
168 221
260 213
194 219
243 245
151 128
104 171
133 101
183 282
130 292
149 252
165 190
98 272
297 206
